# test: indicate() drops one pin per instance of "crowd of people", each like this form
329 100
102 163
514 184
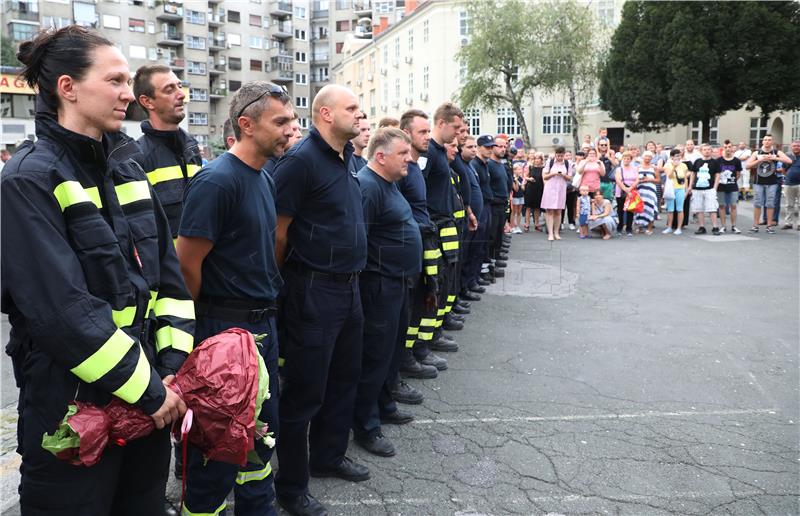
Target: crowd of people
350 252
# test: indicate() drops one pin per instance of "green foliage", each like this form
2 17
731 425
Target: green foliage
679 62
8 52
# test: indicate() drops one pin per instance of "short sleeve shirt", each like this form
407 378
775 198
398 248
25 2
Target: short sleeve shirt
439 188
233 206
705 171
413 189
727 174
314 187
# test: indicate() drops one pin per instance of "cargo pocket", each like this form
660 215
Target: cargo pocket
98 251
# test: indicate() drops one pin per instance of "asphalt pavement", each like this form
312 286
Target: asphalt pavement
646 375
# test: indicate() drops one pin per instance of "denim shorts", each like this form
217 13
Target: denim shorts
727 198
583 219
676 204
765 195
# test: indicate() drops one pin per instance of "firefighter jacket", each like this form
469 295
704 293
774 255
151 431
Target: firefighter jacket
169 158
90 279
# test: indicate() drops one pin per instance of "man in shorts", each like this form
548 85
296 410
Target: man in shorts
730 170
703 183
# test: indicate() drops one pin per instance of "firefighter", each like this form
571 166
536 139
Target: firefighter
90 281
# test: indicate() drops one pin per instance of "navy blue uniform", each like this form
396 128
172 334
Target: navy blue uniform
269 167
321 308
356 163
395 255
498 179
438 183
233 206
474 240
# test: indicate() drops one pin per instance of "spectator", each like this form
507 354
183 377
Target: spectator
556 175
572 193
676 171
360 142
765 182
584 210
627 178
388 121
649 177
534 186
601 219
791 189
517 196
591 170
703 182
602 134
690 153
587 141
730 169
609 160
658 166
744 153
4 157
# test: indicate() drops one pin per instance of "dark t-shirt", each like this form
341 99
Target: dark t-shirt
498 180
727 174
705 171
764 173
481 169
356 163
233 206
314 188
519 193
793 172
413 189
607 178
394 243
439 188
475 193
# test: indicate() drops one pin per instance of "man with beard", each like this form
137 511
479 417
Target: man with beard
170 156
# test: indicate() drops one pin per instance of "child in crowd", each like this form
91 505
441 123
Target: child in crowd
584 210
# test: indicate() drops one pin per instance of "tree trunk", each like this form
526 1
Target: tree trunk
573 114
706 134
515 102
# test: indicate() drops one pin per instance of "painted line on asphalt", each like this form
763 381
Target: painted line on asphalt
593 417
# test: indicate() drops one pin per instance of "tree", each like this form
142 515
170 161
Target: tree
500 57
8 52
679 62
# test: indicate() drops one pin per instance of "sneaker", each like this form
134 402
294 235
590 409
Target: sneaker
722 230
572 227
754 229
679 231
735 230
667 231
786 226
700 231
629 234
714 231
771 230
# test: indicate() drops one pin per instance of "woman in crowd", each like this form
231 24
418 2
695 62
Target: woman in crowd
676 171
627 178
591 170
556 174
534 186
572 192
601 219
658 165
517 196
648 179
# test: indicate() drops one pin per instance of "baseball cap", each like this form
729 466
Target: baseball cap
486 140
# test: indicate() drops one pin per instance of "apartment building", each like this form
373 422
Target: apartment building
412 63
211 45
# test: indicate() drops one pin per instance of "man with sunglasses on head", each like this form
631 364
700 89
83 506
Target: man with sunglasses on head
609 160
226 246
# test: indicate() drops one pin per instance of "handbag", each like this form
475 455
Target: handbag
669 190
633 202
576 181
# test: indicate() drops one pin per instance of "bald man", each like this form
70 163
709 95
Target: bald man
322 247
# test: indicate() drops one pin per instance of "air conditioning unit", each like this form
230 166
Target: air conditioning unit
423 96
558 141
369 76
395 63
409 101
359 83
464 41
384 108
409 59
159 51
383 70
395 104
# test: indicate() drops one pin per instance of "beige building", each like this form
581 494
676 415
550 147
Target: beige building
211 45
412 64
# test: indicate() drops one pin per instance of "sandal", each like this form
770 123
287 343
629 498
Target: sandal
527 228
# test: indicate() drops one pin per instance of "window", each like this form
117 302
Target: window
411 85
303 123
255 20
235 85
17 106
152 53
196 17
151 27
410 40
339 47
426 33
426 77
385 92
55 22
137 52
300 34
463 23
111 22
371 102
555 120
198 94
196 68
713 137
135 25
235 39
758 129
361 103
605 12
299 12
23 31
472 117
301 102
196 42
385 52
300 57
256 42
507 121
397 48
256 65
234 17
342 25
85 15
795 126
198 118
301 78
234 63
397 89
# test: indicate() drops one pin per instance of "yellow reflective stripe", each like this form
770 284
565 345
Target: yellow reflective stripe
69 193
183 308
173 337
432 270
175 242
410 343
426 336
165 174
450 246
437 325
450 299
186 512
281 361
132 192
432 255
123 317
451 231
412 331
192 169
105 358
427 322
133 389
459 214
250 476
152 303
440 312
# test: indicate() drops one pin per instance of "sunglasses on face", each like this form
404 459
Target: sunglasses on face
273 90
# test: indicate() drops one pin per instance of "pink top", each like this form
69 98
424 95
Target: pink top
629 175
591 175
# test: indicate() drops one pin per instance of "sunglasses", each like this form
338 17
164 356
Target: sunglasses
273 90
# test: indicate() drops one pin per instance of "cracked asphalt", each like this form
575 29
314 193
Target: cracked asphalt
645 375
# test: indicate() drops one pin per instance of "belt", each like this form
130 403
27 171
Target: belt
236 310
338 277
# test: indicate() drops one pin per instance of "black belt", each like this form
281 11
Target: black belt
338 277
236 310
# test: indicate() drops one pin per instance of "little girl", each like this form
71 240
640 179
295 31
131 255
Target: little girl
584 210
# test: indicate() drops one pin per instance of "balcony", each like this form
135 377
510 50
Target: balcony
22 11
282 75
216 43
215 20
218 93
282 30
170 12
318 12
170 38
322 57
216 69
280 9
176 63
362 7
279 52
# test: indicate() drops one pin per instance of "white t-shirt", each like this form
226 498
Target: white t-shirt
692 156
